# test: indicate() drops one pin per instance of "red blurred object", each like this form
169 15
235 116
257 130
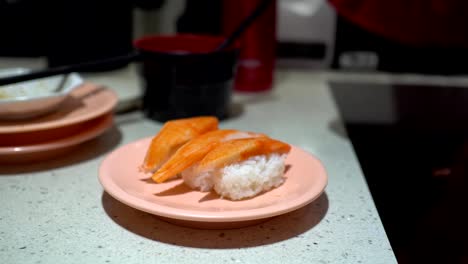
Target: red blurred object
182 44
419 23
258 44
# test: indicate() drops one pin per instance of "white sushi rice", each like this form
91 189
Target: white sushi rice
202 182
241 180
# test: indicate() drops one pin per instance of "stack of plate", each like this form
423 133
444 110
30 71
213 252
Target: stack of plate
85 113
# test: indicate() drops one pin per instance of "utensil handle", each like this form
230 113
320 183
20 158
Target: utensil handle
245 24
69 68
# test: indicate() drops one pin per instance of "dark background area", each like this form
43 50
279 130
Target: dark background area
397 57
76 31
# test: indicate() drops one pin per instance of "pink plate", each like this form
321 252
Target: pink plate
52 148
173 201
84 103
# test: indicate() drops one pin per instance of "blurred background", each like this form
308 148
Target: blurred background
393 36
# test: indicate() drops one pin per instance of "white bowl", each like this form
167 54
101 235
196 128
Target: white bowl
34 98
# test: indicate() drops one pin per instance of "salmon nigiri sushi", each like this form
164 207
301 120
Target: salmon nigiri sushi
173 135
195 150
240 168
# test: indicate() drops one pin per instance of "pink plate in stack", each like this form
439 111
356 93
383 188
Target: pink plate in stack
85 114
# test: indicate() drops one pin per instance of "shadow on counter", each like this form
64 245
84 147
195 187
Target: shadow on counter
275 230
71 156
337 127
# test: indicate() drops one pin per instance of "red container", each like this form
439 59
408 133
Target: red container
256 62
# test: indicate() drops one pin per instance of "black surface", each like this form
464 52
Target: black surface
412 144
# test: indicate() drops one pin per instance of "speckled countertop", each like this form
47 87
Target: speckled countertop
57 212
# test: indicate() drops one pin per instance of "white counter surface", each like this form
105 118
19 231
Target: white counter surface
57 212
